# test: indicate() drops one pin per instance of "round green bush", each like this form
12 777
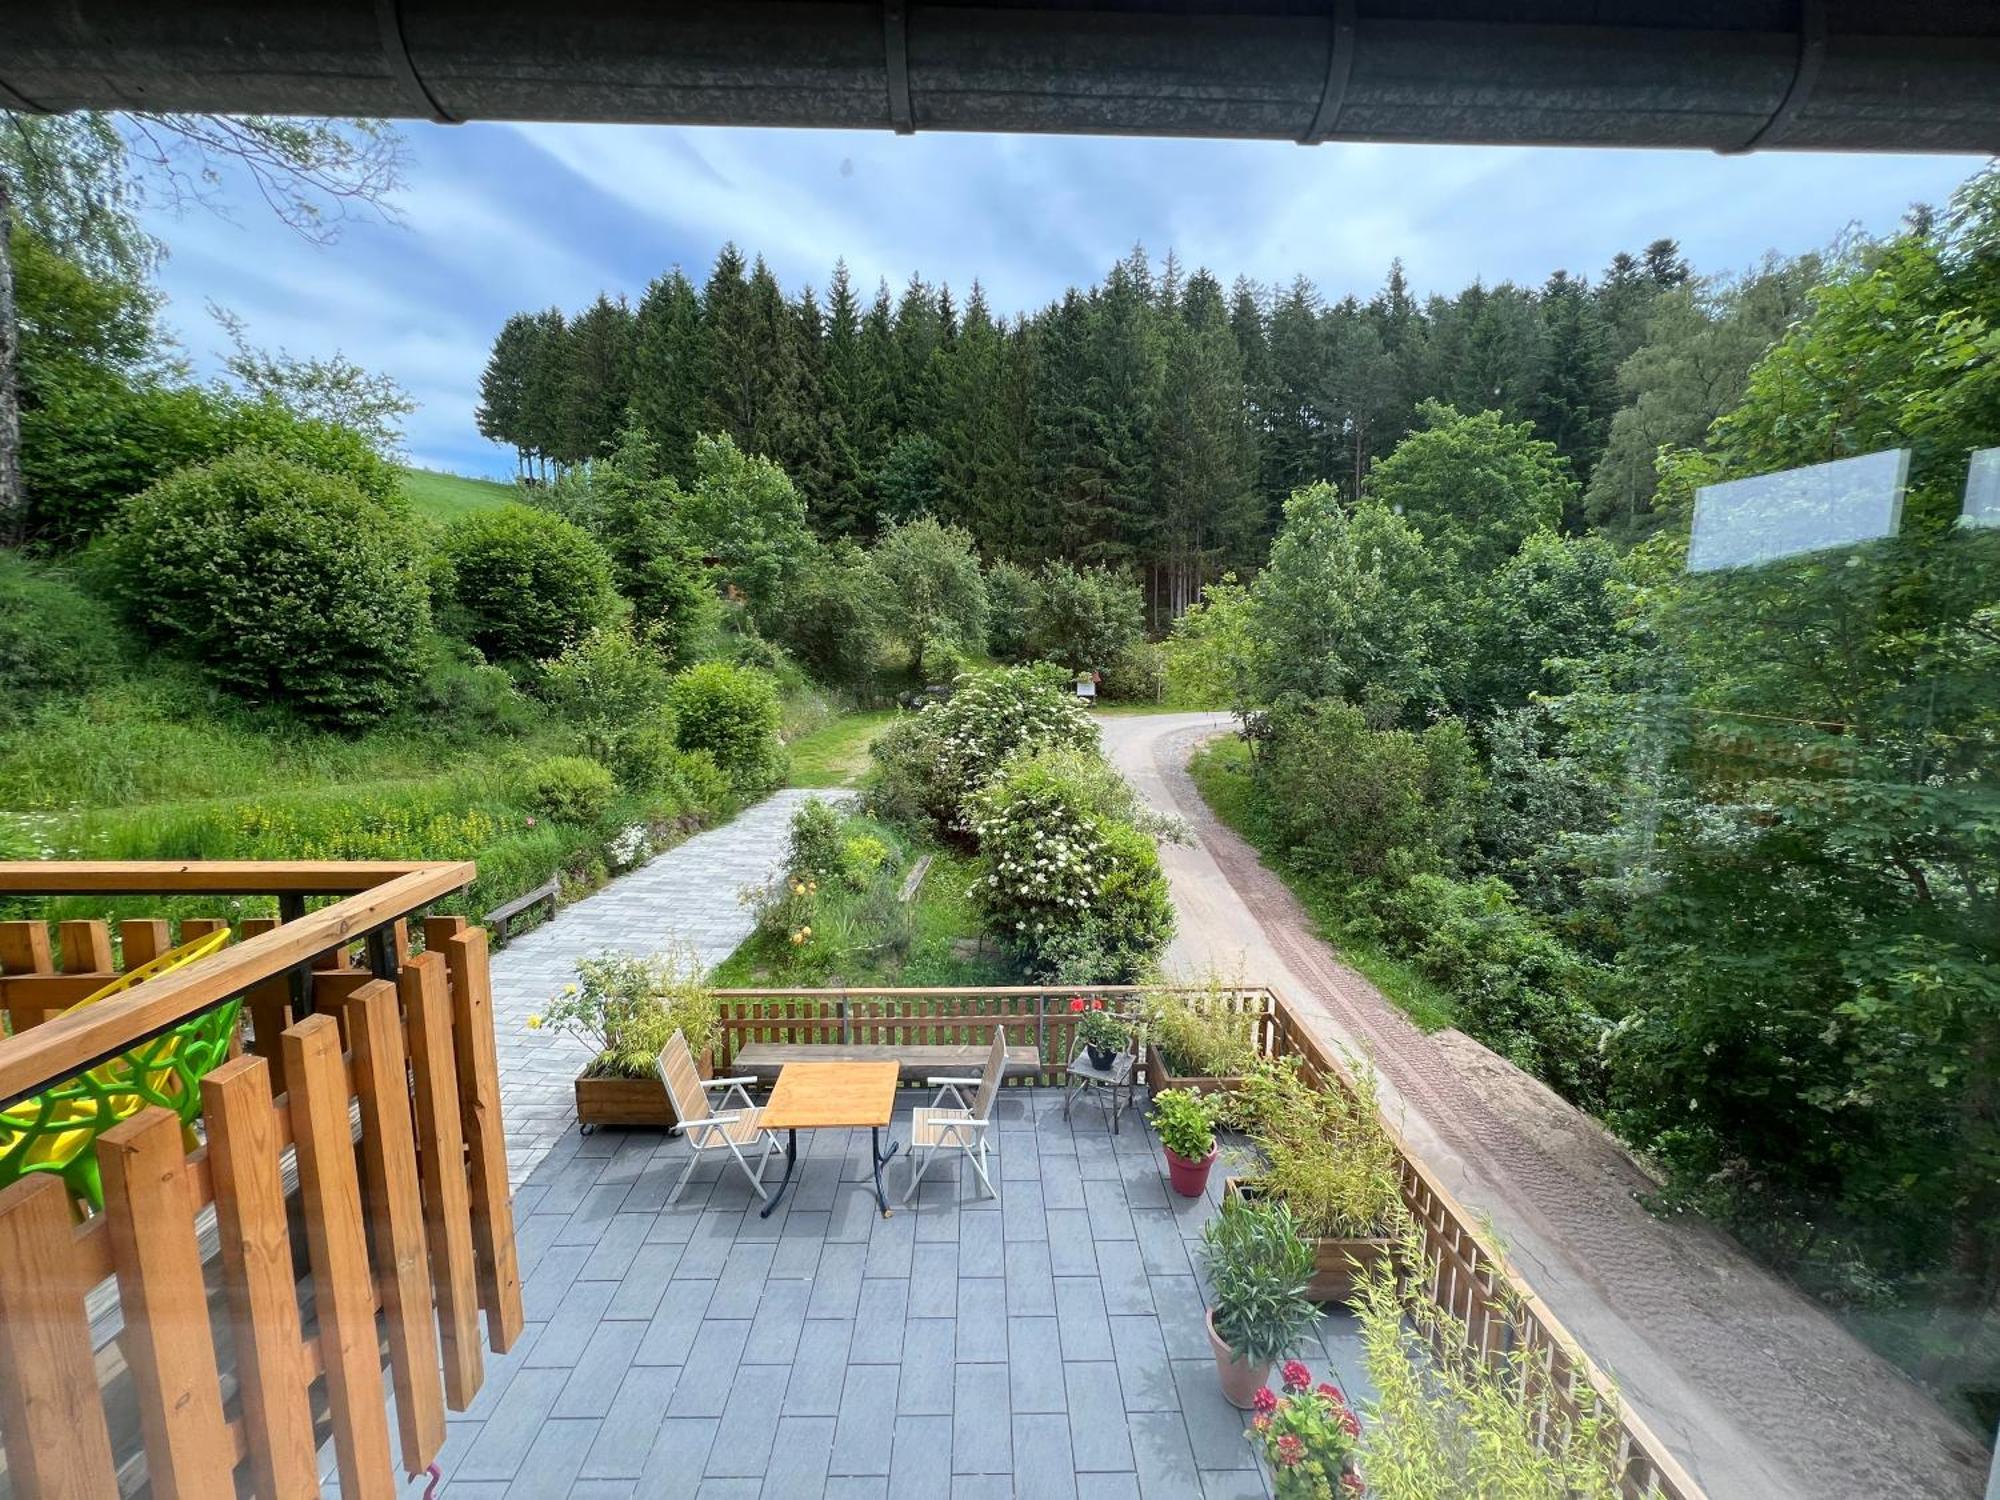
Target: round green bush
568 789
816 837
732 713
648 762
286 583
524 584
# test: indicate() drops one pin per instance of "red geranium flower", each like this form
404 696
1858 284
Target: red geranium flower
1297 1376
1332 1393
1352 1484
1097 1005
1291 1450
1265 1399
1350 1422
1260 1424
1076 1002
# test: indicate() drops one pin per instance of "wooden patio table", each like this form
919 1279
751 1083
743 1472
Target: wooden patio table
832 1095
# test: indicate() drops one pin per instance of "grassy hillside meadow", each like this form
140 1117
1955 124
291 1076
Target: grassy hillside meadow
445 497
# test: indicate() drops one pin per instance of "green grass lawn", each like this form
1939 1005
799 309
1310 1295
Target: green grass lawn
946 948
837 753
1221 771
446 497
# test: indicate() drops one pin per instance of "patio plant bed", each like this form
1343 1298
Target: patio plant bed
1339 1261
625 1008
1160 1076
1328 1159
634 1102
1202 1042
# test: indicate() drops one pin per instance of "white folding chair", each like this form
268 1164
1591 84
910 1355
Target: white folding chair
950 1123
739 1125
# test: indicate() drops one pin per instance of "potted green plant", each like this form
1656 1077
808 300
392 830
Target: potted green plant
1185 1122
1102 1032
1258 1266
624 1008
1327 1157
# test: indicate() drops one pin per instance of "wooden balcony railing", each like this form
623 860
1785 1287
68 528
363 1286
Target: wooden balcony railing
217 1319
1033 1016
1474 1282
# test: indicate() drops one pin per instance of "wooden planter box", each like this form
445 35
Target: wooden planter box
1159 1076
1339 1263
639 1102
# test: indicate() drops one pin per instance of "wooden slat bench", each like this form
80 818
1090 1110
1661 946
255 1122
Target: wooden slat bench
502 916
763 1060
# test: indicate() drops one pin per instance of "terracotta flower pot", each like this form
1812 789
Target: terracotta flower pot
1190 1178
1240 1379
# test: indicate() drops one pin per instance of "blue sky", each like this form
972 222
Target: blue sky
495 218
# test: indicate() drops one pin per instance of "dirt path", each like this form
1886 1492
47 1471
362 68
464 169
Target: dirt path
1758 1392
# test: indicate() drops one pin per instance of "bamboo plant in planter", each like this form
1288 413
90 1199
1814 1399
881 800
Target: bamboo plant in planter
625 1007
1328 1159
1259 1267
1200 1041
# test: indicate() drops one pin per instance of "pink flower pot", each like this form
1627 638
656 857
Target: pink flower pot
1240 1379
1190 1178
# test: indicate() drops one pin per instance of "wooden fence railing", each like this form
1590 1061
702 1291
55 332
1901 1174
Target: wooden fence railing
1037 1017
346 1192
1473 1280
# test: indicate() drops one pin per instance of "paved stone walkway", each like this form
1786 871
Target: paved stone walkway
687 896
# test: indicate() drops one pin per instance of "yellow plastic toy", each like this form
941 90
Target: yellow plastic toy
56 1129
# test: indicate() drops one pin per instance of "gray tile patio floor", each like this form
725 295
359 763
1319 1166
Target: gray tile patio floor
1046 1344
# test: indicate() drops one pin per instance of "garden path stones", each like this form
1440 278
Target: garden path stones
687 896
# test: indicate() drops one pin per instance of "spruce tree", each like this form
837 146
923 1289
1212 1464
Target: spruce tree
1295 441
770 369
844 383
801 426
919 330
1124 371
598 385
669 370
1578 392
729 404
548 375
1204 486
503 387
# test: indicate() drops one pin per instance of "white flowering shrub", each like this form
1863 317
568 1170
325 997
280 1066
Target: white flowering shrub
629 847
1078 892
932 763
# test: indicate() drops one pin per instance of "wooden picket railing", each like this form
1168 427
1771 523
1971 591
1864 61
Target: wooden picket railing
229 1307
1473 1281
1033 1016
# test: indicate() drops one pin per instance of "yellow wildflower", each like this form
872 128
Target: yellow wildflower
534 1023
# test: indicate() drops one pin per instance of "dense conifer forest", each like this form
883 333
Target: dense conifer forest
1155 421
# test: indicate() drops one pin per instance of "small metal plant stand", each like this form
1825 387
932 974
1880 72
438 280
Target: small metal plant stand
1117 1084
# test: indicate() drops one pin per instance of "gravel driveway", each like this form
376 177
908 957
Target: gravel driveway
1759 1393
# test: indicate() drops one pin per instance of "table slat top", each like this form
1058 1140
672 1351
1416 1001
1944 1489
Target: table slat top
815 1095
